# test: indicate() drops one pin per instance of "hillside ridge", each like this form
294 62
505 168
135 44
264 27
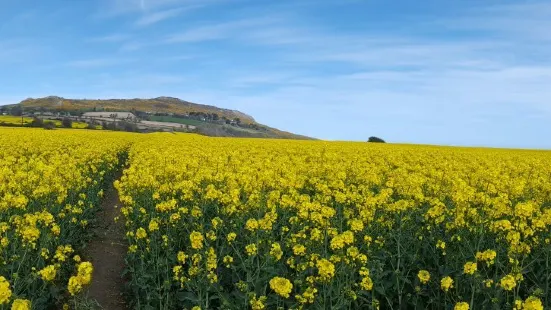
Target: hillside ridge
212 120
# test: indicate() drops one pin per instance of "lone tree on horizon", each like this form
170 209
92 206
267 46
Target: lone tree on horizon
376 140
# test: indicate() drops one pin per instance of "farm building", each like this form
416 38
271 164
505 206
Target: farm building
117 115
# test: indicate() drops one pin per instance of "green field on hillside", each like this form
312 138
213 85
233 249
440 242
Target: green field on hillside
170 119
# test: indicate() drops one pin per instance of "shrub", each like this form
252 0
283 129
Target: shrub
67 122
48 125
375 140
37 122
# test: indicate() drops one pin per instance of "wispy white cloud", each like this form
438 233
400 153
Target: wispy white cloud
111 38
112 8
255 79
217 31
18 50
178 58
155 17
526 21
135 81
98 62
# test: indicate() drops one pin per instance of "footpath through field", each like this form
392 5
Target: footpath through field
106 252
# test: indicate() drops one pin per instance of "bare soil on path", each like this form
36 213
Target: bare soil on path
107 252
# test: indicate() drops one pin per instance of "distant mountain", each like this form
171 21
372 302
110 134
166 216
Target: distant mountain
154 105
209 120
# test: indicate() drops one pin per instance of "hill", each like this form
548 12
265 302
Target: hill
208 120
154 105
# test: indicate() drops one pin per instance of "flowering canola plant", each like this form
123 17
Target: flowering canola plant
218 223
51 183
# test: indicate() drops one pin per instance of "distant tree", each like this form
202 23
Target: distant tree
16 110
37 122
376 140
128 126
48 125
67 122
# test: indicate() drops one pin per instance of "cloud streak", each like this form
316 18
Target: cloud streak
218 31
156 17
98 62
111 38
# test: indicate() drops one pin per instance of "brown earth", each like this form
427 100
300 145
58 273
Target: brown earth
106 252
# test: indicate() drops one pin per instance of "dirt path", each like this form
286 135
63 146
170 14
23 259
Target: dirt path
106 252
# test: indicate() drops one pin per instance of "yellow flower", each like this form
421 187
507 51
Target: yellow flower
446 283
469 268
182 257
231 236
299 250
196 308
21 304
326 269
461 306
74 286
276 251
85 270
56 230
258 303
48 273
487 256
153 225
251 225
308 296
213 278
177 270
532 303
216 222
211 235
508 282
5 292
228 260
356 225
196 239
367 283
424 276
488 283
353 252
281 286
251 249
141 233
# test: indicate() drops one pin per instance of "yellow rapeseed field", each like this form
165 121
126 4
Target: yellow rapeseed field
50 183
220 223
215 223
18 120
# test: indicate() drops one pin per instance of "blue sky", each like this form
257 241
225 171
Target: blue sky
435 71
